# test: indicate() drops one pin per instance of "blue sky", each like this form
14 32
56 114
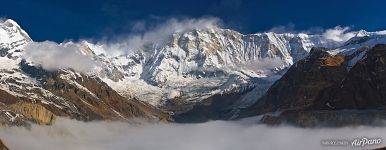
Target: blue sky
75 19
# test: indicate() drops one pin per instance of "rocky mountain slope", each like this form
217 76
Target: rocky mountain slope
2 146
331 86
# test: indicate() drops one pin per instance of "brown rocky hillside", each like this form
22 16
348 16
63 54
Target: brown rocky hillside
320 87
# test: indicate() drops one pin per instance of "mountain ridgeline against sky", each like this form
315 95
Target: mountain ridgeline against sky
192 75
70 19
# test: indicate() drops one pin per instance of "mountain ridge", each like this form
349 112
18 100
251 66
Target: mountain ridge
192 69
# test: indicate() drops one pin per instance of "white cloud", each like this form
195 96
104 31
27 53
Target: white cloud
53 56
339 34
139 26
289 28
2 19
156 35
215 135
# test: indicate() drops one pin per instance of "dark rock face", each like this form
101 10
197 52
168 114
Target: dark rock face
217 107
322 82
99 102
329 118
2 146
382 148
365 85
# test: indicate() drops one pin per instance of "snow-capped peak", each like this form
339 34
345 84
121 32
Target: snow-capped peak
12 38
13 28
362 33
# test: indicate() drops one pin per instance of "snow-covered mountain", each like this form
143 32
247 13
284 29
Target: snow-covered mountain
188 69
195 65
28 93
12 38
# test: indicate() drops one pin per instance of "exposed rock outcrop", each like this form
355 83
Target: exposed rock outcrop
36 112
2 146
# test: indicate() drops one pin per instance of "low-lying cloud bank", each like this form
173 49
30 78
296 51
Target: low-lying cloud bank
53 56
217 135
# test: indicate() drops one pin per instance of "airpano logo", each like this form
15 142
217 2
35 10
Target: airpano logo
361 142
356 142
